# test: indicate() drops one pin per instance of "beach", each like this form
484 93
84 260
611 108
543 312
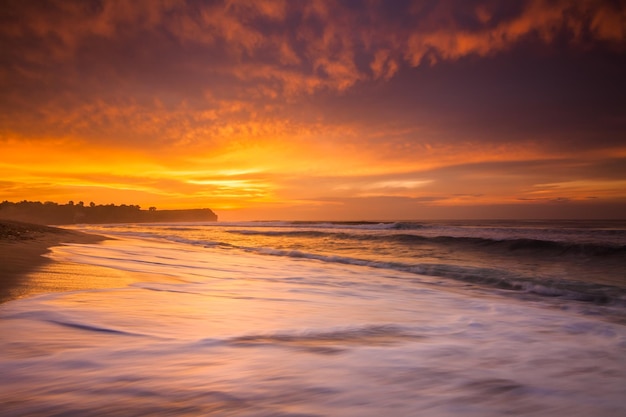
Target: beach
22 246
284 319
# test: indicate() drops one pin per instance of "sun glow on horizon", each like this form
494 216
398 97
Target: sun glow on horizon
317 110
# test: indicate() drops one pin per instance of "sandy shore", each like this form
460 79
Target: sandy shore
21 248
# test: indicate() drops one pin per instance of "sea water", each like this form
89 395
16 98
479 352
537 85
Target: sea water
329 319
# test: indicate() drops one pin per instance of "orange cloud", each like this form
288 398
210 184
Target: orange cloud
546 20
279 103
287 49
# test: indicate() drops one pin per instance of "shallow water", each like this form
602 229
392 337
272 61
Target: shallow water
575 260
231 333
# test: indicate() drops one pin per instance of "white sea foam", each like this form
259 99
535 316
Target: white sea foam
249 335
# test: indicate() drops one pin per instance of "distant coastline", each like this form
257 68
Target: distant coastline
59 214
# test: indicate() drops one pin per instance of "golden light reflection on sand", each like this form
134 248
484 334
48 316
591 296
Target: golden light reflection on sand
64 276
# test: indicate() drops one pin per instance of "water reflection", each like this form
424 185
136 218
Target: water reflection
246 335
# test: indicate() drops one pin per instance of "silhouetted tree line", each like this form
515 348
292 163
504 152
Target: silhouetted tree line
71 213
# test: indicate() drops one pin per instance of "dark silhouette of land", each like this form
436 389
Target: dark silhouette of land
70 213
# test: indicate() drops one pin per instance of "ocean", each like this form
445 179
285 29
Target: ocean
449 318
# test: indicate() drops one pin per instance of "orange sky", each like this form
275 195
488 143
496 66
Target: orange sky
326 110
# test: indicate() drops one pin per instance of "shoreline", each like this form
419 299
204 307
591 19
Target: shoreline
22 246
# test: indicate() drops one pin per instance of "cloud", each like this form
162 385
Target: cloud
176 71
580 22
440 102
333 42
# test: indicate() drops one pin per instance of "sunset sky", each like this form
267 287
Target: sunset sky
318 110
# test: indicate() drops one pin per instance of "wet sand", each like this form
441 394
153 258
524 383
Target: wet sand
21 248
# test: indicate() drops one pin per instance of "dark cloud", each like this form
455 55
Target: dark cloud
423 90
561 59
